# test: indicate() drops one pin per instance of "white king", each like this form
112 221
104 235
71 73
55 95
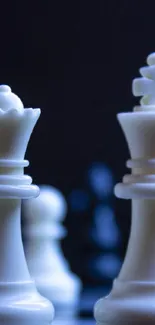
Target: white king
20 303
132 299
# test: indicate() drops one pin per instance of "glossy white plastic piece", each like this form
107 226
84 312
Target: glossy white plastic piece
45 259
131 300
9 100
20 303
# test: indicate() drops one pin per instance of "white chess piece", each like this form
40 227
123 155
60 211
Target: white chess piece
47 265
20 303
131 300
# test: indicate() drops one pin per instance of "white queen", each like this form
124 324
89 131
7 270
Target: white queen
20 303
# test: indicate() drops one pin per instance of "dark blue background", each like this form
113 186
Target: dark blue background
76 60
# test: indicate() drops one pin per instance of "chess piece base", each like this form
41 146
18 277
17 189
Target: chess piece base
20 303
130 303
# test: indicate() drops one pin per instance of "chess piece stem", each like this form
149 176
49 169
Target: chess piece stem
11 268
139 264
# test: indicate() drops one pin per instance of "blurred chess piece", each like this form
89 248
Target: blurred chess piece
100 180
101 242
47 265
104 234
105 262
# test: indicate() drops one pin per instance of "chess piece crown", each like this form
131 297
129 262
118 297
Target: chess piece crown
47 265
20 303
131 300
138 127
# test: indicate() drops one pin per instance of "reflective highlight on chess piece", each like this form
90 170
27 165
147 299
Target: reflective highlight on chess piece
47 265
131 300
20 303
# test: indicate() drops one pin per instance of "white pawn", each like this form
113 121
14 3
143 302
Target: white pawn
47 265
